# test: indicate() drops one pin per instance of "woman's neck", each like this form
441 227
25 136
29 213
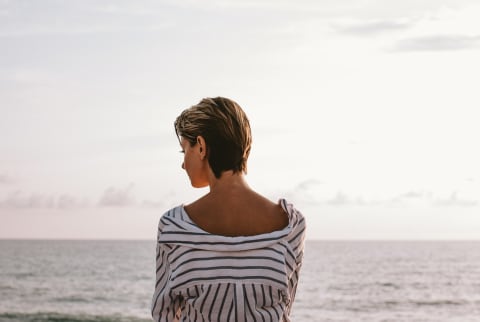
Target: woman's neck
227 182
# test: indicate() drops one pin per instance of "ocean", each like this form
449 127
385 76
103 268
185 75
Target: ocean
106 281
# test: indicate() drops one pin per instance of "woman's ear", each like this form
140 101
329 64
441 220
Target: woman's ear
202 147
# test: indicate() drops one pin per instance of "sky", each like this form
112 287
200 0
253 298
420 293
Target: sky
363 113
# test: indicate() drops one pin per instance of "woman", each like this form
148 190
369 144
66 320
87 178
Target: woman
232 255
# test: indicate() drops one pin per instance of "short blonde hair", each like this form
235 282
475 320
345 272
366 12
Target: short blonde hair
226 130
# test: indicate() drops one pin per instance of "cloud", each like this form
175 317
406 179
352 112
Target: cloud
316 193
5 179
117 197
427 198
455 201
77 18
448 28
20 200
409 198
308 184
129 8
66 201
308 191
111 197
82 30
342 199
289 6
413 194
438 43
371 28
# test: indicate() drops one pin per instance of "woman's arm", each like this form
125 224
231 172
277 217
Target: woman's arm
165 306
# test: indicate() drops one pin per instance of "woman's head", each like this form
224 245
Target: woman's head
224 126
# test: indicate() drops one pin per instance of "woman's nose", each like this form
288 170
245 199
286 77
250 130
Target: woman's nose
183 165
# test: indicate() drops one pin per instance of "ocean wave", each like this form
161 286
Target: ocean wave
60 317
441 303
71 299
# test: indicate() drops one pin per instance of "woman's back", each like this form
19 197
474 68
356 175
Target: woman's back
208 277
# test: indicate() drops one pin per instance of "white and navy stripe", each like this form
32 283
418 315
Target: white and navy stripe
206 277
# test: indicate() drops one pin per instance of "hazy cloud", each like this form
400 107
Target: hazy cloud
66 201
83 17
455 201
409 198
307 184
429 199
136 8
412 194
342 199
438 43
117 197
5 179
371 28
415 195
20 200
111 197
80 30
308 192
316 193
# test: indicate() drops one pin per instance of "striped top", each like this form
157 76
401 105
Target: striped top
206 277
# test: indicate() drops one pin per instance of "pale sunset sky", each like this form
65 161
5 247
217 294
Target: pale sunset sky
364 113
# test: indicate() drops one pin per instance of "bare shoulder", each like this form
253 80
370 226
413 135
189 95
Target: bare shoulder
245 214
273 211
